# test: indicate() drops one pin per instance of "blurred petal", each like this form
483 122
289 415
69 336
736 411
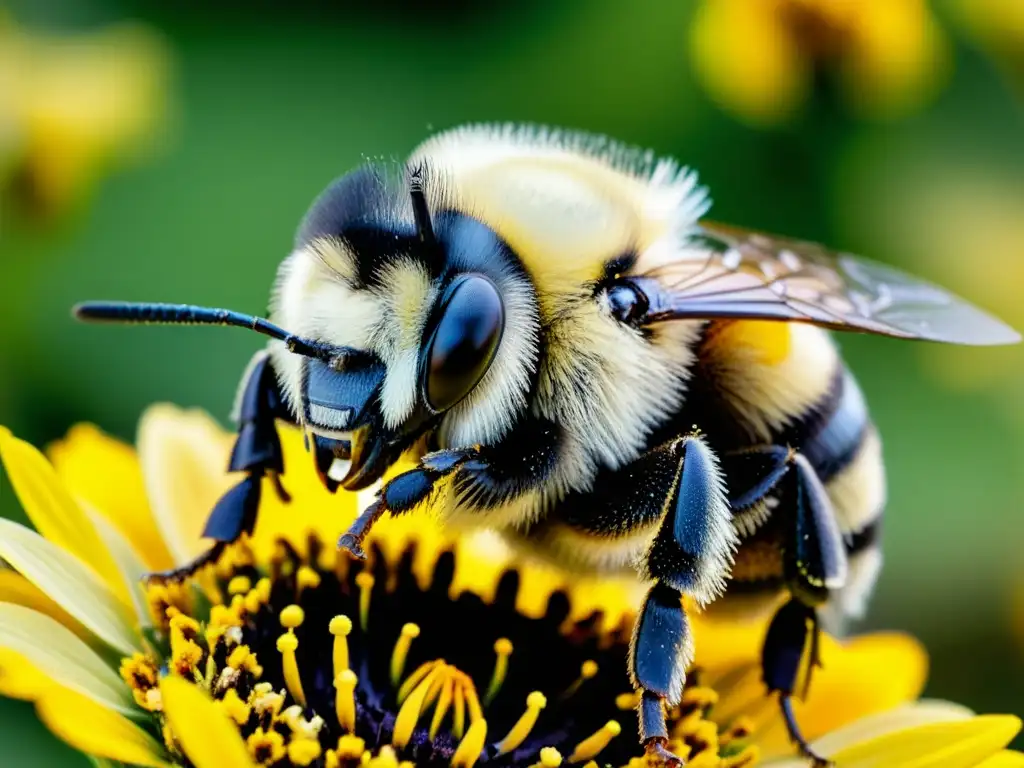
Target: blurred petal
1005 759
96 730
18 678
105 473
52 510
206 734
55 652
15 588
939 745
747 60
184 458
70 584
908 716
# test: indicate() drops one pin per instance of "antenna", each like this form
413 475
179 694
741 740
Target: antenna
190 314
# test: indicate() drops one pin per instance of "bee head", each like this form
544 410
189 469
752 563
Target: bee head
433 317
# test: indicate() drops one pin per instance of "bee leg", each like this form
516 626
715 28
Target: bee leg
482 477
815 561
691 555
257 451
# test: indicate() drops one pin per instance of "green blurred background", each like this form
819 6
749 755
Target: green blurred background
258 105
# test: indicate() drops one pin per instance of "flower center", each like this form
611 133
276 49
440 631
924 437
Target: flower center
322 661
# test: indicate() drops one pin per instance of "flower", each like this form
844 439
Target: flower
763 59
437 651
72 106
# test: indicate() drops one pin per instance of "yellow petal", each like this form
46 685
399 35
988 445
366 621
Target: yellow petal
55 652
132 570
18 678
939 745
96 730
52 510
899 719
184 458
1005 759
105 473
747 60
206 734
71 585
870 673
15 588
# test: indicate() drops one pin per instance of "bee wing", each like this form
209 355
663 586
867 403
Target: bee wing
734 273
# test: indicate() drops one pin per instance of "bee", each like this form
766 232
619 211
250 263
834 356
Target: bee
573 356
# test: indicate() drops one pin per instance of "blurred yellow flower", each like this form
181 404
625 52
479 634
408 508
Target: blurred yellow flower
71 107
763 59
437 652
997 26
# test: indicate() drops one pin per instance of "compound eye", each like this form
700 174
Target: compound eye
464 341
627 303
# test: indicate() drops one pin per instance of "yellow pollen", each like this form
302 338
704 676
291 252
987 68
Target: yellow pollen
364 581
236 709
414 679
398 656
345 699
239 585
412 707
385 758
535 702
350 747
503 649
266 746
549 758
340 627
292 617
306 578
588 670
286 646
303 751
471 746
591 746
444 702
628 701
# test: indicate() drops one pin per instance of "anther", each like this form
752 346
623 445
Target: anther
591 746
286 646
412 707
239 585
340 627
292 616
306 578
535 702
628 701
549 758
503 649
588 670
364 580
345 699
303 751
398 656
471 746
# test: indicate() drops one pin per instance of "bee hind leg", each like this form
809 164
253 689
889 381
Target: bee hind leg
257 452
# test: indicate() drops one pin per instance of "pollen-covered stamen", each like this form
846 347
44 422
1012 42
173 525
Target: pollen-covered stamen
549 758
502 649
344 699
588 671
398 656
364 580
340 627
535 702
591 746
287 644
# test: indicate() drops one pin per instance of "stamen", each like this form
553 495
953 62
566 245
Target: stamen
239 585
471 747
409 713
364 580
459 712
628 701
398 656
591 746
503 649
549 758
535 702
476 714
303 751
306 578
291 617
345 699
443 703
340 627
414 679
587 670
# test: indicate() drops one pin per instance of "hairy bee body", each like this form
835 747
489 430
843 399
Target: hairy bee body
544 323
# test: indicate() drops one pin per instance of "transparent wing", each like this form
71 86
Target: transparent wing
731 272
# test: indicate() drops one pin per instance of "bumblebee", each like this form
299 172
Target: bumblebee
545 322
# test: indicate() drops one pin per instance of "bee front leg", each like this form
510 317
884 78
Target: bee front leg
257 452
815 561
691 555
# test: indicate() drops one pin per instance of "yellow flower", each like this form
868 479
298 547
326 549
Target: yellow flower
436 652
70 107
763 59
